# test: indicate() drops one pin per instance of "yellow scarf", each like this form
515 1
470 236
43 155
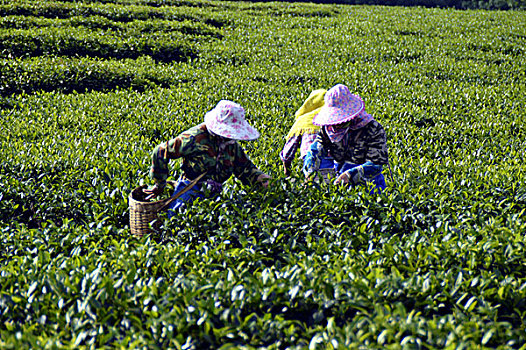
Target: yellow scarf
306 113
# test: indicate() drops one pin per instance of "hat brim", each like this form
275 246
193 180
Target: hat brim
242 132
309 115
313 103
338 115
303 124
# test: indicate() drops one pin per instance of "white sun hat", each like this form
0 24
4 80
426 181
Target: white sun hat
227 119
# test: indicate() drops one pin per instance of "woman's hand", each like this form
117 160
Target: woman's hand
344 178
153 191
263 180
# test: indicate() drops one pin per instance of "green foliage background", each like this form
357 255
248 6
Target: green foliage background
88 89
457 4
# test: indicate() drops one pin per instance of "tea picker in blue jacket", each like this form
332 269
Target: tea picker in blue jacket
303 133
353 138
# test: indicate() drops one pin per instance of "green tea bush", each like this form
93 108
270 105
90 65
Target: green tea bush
85 74
79 42
134 27
114 12
435 261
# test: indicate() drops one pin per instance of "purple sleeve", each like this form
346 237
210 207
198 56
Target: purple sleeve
306 141
289 150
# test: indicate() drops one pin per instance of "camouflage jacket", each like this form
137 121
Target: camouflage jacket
367 144
199 151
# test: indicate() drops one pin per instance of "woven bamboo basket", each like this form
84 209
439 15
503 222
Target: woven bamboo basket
143 213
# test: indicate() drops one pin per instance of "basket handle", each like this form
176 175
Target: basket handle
183 191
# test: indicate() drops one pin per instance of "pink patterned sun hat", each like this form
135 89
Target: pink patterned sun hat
227 119
340 106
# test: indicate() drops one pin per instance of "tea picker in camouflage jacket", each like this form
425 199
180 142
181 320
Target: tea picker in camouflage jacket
354 139
212 147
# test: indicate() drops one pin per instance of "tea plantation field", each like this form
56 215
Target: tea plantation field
89 88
